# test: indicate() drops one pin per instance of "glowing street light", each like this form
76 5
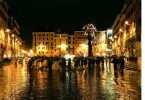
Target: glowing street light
8 30
120 30
126 23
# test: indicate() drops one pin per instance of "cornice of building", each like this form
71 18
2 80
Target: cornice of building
42 32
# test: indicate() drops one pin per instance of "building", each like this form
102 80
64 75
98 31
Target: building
80 44
127 31
71 44
109 35
3 26
16 43
10 41
50 43
43 43
60 44
100 48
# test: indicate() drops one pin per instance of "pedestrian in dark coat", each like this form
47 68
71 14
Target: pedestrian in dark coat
50 64
85 62
121 60
69 64
98 61
115 62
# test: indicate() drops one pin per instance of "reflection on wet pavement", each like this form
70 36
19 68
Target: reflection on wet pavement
101 83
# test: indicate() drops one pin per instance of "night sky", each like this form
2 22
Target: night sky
66 15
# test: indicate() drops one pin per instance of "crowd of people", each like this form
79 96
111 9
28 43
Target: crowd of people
77 62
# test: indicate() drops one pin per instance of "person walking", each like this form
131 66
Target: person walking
121 60
69 64
98 61
115 62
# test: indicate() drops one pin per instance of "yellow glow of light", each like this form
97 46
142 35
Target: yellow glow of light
63 46
31 52
103 46
84 46
12 35
115 37
2 35
8 30
120 30
126 23
41 48
23 51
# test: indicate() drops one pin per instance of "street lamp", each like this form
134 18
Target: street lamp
90 30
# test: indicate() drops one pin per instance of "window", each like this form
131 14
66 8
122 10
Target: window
51 44
47 43
69 42
60 40
43 42
43 38
39 42
39 38
51 47
39 34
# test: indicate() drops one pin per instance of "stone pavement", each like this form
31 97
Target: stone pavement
131 65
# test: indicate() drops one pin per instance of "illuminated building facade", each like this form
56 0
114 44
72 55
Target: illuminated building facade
79 40
60 44
49 43
10 42
101 46
71 44
109 35
3 26
43 43
127 30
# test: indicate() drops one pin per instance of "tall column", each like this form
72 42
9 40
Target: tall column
90 30
89 45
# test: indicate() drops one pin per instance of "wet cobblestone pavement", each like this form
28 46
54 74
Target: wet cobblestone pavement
98 84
